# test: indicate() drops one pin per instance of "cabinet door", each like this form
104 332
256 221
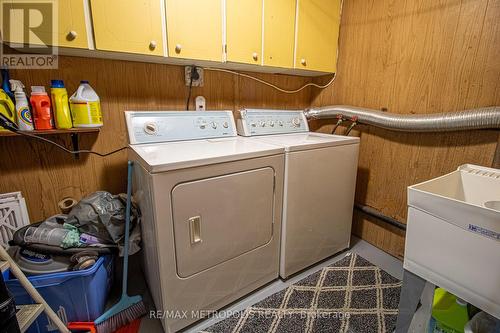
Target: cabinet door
244 31
72 26
72 30
279 32
194 29
318 24
128 26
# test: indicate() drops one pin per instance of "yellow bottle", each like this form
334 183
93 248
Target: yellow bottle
7 108
60 105
86 107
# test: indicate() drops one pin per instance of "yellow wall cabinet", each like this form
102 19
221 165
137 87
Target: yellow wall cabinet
244 31
293 36
318 24
130 26
194 29
279 33
71 32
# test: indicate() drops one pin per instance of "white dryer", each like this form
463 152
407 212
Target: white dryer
320 180
211 210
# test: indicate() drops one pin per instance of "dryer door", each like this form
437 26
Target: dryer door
219 218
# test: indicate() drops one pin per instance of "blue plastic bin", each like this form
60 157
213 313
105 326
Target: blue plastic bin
74 296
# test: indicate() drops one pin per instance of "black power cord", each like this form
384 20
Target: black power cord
9 125
193 76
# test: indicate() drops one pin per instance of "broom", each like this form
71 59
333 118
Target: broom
128 307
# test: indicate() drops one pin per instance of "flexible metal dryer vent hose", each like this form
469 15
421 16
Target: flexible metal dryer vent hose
481 118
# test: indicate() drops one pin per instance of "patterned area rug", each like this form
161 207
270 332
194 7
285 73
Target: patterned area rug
352 295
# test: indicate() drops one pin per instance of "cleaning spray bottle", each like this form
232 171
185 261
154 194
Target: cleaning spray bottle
40 104
60 105
24 121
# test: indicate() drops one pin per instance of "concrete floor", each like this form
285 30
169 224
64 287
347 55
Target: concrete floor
383 260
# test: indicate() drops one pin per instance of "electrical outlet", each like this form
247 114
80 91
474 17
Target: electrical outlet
200 103
187 76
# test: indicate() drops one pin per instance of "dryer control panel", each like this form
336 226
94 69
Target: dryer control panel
253 122
165 126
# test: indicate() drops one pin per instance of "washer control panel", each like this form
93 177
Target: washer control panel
253 122
165 126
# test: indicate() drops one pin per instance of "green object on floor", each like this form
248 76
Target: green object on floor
449 312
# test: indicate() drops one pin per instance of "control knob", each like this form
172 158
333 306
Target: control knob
150 128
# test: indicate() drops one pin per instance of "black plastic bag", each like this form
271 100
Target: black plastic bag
102 214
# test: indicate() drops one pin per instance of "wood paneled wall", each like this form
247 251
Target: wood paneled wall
45 175
415 57
406 56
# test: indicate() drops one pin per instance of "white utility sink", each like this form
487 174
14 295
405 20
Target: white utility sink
469 195
453 234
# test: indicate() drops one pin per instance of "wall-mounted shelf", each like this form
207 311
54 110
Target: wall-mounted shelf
73 132
53 131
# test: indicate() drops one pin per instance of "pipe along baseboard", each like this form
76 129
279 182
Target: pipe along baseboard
480 118
378 215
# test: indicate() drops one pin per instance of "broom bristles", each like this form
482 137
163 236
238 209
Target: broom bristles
122 318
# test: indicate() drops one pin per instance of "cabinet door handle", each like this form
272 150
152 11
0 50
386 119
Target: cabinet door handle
255 56
152 45
178 48
71 35
195 229
303 61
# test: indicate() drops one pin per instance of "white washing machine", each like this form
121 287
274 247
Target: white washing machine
320 180
211 210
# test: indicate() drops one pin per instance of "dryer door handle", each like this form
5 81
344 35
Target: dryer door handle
195 229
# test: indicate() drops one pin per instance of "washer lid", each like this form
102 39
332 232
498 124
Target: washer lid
310 140
185 154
